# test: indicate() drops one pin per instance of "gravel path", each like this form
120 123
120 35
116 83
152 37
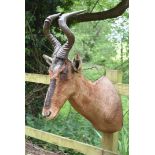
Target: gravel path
32 149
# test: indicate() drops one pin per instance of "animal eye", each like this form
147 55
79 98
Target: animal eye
63 76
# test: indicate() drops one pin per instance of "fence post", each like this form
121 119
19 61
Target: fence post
110 141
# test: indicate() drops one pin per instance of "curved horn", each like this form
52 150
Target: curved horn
46 29
63 53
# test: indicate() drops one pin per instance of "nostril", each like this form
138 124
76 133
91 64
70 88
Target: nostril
49 113
46 113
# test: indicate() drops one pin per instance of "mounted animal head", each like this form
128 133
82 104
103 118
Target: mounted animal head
62 71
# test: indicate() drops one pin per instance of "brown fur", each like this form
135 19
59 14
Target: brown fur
97 101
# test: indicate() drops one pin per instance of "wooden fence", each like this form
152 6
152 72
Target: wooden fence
110 141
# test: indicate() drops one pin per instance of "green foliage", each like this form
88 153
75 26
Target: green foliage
92 72
35 43
124 134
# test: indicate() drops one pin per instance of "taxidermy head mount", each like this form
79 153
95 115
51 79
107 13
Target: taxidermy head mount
97 101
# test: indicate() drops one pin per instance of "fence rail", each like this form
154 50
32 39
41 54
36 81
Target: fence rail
123 89
66 142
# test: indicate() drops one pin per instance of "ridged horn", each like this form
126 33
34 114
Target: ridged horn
63 53
46 29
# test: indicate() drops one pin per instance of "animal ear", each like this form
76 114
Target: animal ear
77 63
47 59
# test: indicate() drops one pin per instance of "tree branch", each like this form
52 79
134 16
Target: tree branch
118 10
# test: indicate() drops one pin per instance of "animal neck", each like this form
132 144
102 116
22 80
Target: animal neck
83 96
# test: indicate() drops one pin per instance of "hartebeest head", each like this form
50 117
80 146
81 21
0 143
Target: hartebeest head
62 71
